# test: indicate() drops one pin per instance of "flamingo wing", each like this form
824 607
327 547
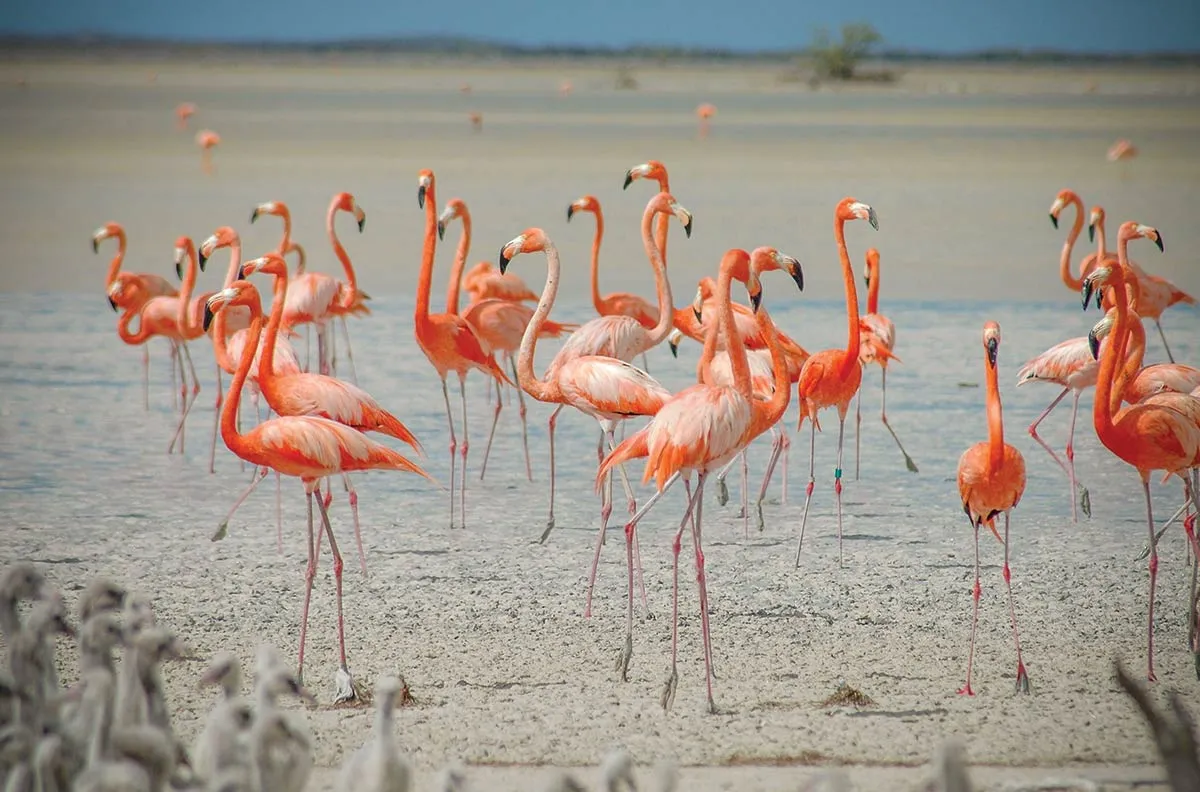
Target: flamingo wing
700 428
607 387
631 305
1058 363
310 297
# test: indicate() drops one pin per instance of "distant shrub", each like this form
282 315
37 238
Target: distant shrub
838 60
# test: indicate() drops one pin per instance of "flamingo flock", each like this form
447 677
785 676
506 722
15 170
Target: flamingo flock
320 426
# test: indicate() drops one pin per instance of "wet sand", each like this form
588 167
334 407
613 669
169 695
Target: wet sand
485 624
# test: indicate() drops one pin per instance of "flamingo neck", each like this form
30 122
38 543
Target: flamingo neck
1103 408
350 292
186 328
1064 262
662 284
114 266
663 224
460 260
739 366
425 279
1133 352
285 242
229 433
851 359
123 324
769 412
873 291
538 389
995 417
266 361
597 303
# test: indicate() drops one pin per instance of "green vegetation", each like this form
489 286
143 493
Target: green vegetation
838 60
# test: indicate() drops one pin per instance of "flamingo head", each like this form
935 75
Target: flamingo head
674 339
277 208
271 264
184 249
240 293
225 665
1095 219
871 269
698 303
530 240
766 259
455 208
104 232
389 692
222 237
587 203
665 203
991 341
127 291
424 185
344 202
1095 282
1131 230
651 169
754 290
1063 198
1100 331
852 209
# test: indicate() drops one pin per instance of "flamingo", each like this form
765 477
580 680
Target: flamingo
877 339
309 448
1148 437
1139 382
602 386
991 480
614 303
448 340
154 285
1152 294
699 430
286 243
300 393
316 297
622 337
705 112
656 172
184 111
207 140
1067 197
483 281
830 378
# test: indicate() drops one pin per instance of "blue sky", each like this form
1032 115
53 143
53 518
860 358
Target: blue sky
934 25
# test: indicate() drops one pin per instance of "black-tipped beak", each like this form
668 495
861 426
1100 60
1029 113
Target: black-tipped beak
179 270
1091 232
687 228
628 178
362 224
1158 241
95 245
696 313
421 196
1054 219
242 272
1087 293
571 209
1099 297
674 349
113 303
1094 345
798 276
504 260
867 281
201 263
201 258
993 347
755 301
441 230
254 215
208 317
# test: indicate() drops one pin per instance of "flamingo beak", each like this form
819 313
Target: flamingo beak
241 272
113 303
254 215
1158 240
1091 232
421 196
95 245
1094 345
993 346
628 178
201 263
201 257
687 227
1054 220
441 230
362 223
756 300
674 349
1087 293
504 259
179 269
208 317
571 208
793 268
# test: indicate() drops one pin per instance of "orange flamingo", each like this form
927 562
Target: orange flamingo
705 112
476 119
656 172
448 340
991 480
1152 294
1148 437
207 140
154 285
1138 382
1121 150
876 340
183 112
1061 201
300 393
484 282
602 386
316 297
830 378
699 430
287 245
309 448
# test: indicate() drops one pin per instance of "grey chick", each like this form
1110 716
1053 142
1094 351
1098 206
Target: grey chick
616 771
222 742
19 581
141 695
377 766
282 758
563 782
31 659
101 595
451 778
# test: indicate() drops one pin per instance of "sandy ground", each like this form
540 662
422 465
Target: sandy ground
485 624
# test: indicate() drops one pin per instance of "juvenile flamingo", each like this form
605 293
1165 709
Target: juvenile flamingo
1147 436
1152 294
604 387
699 430
991 480
154 285
207 140
876 340
309 448
830 378
448 340
300 393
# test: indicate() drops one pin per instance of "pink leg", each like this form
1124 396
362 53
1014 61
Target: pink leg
1078 492
837 479
779 436
812 480
1022 677
668 695
702 585
1037 438
278 513
322 351
857 428
550 519
351 691
745 495
256 476
212 451
310 574
1153 582
787 444
453 448
605 513
633 521
487 450
352 496
462 479
966 690
349 352
189 398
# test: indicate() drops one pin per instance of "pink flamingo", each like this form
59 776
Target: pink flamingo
876 340
1139 382
183 112
483 282
448 340
154 286
699 430
309 448
1066 198
831 377
207 140
705 112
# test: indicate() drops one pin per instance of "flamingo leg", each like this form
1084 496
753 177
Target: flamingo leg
787 444
188 402
668 694
645 363
487 449
352 496
837 479
1163 336
257 475
462 479
332 331
778 437
174 352
524 423
1076 487
637 550
812 481
745 515
1153 580
908 461
966 690
308 350
453 447
212 451
346 690
310 574
322 351
550 518
605 513
722 488
702 585
349 352
1037 438
1022 677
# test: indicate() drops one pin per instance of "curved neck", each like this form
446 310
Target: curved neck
266 361
425 279
664 223
739 366
662 284
350 293
995 417
123 331
542 391
114 266
1102 409
460 260
235 261
768 413
229 432
851 359
596 301
1064 263
1132 352
873 291
285 242
185 296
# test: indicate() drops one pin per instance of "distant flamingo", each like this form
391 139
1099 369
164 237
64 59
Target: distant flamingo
316 297
601 386
705 112
699 430
1062 200
300 393
1153 294
483 281
1147 436
450 343
622 337
991 480
183 112
476 119
1121 150
309 448
155 285
876 340
207 140
565 88
830 378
